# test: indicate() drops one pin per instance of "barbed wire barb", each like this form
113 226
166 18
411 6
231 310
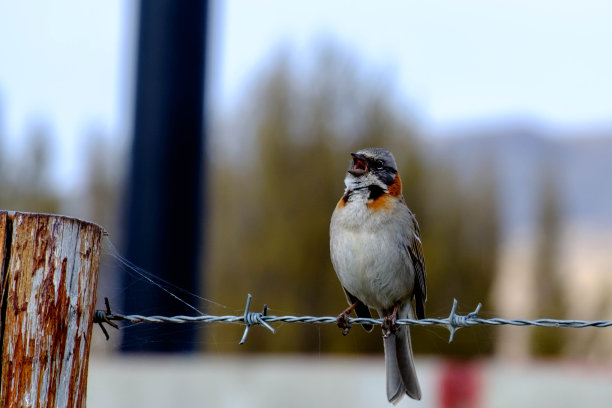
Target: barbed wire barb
251 318
455 321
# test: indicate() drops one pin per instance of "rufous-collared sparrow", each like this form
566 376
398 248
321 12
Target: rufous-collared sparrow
377 254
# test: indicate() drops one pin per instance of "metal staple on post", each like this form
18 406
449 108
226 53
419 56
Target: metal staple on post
453 322
102 316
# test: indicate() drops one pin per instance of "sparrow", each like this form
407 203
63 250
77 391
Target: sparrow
377 254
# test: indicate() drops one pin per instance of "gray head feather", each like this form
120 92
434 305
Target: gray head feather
378 153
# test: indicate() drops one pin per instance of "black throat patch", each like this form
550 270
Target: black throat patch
375 192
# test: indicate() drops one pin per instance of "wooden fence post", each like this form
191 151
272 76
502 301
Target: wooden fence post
48 274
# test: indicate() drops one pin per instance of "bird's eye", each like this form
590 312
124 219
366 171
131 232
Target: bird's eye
379 164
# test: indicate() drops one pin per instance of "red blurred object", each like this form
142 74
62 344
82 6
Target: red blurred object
460 385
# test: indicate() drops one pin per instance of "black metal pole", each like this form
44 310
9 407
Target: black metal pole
164 197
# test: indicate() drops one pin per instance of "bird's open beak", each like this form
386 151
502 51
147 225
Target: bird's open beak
359 165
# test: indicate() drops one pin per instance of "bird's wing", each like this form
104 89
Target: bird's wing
415 249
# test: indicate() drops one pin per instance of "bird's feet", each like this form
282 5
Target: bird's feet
343 318
343 322
389 323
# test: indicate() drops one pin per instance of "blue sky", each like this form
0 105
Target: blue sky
457 60
68 64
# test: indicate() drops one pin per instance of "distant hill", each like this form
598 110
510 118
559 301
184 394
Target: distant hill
518 152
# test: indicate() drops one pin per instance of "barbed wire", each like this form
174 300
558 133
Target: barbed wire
453 322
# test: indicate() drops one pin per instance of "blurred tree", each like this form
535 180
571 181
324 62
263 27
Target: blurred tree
550 299
103 183
461 233
26 185
270 234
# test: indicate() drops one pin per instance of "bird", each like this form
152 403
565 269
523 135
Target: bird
377 254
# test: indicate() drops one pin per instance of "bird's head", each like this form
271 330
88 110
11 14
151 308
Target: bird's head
371 167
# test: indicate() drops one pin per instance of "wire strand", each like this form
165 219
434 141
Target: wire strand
453 322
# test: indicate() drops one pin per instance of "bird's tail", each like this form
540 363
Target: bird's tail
401 375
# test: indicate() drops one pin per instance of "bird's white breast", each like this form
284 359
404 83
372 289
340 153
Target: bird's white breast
369 252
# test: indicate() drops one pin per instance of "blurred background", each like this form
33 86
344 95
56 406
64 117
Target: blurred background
499 116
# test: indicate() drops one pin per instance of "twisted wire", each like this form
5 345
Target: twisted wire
453 322
466 322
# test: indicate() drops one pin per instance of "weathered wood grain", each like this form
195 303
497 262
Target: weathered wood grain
49 279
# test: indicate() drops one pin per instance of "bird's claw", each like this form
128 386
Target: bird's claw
389 325
343 322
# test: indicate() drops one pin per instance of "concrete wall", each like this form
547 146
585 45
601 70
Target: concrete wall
312 381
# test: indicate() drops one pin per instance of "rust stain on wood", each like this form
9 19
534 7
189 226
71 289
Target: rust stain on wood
5 245
48 307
